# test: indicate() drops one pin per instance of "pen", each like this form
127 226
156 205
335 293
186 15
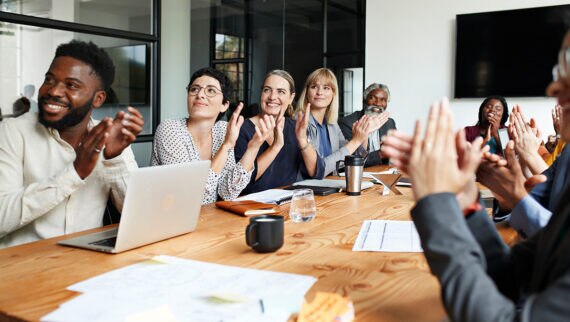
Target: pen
261 306
284 200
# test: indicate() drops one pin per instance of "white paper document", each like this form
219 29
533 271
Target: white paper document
274 196
388 236
185 290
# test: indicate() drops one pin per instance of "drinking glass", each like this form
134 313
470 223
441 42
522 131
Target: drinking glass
302 207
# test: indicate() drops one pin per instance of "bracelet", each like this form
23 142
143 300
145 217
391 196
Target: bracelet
473 208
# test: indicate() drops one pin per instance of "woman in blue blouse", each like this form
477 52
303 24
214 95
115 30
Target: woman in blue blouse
321 93
286 155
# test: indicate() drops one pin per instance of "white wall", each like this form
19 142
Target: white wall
415 57
175 58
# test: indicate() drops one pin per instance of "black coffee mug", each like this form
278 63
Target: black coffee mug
265 233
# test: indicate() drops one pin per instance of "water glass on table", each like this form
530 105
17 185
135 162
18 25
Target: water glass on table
303 208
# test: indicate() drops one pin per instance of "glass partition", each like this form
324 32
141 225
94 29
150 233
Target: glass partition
27 52
128 15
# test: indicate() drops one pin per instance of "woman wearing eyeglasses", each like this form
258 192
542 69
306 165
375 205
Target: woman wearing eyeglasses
201 137
493 114
286 156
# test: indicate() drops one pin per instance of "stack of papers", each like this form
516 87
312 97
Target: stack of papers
176 289
388 236
273 196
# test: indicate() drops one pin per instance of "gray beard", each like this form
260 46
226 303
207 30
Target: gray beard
370 110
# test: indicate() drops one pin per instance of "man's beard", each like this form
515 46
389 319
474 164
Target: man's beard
74 117
373 110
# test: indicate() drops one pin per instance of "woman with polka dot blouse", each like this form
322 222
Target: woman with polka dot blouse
201 137
286 155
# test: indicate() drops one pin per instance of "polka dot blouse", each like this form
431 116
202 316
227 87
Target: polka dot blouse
174 144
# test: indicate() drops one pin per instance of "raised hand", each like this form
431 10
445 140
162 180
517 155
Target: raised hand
88 151
398 147
278 139
302 125
525 138
234 125
506 181
124 130
488 134
263 131
527 142
360 129
556 118
495 123
433 166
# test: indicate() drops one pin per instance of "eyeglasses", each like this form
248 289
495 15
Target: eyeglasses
209 90
560 70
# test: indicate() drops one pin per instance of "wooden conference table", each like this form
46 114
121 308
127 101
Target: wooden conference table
383 286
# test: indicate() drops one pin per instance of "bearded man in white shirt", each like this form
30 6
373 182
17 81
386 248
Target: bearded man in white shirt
59 166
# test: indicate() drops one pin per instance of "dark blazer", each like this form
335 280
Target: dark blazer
547 194
481 278
346 123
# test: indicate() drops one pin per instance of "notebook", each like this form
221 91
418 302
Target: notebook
272 196
161 202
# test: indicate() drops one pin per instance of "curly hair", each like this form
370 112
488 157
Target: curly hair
225 84
89 53
374 86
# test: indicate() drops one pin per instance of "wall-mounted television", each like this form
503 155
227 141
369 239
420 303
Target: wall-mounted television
509 53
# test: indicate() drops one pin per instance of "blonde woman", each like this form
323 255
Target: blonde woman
286 156
321 94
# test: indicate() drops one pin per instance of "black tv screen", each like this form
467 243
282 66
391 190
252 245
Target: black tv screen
509 53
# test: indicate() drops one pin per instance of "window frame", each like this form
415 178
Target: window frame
153 38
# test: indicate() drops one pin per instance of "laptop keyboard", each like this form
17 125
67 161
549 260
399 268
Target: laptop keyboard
105 242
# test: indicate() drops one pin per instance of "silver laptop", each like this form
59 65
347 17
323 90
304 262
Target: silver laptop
161 202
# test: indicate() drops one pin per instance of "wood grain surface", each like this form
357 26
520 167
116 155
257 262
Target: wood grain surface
383 286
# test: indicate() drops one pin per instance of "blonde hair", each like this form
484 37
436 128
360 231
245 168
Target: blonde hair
326 76
286 76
